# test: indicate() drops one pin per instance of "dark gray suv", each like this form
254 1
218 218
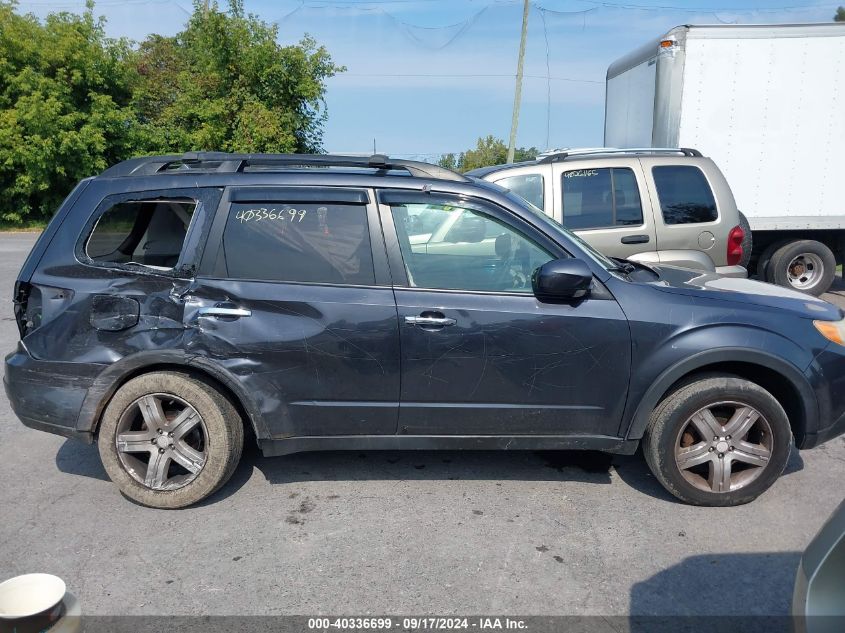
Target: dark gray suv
176 303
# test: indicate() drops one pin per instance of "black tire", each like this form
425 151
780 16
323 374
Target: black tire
765 258
747 241
672 417
220 427
815 254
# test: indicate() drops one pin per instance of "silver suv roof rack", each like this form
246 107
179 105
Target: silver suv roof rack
223 162
553 156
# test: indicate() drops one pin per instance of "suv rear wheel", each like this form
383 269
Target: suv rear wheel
169 440
718 441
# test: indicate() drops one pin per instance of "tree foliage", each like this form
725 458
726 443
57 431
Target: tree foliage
840 15
64 107
73 101
224 83
488 151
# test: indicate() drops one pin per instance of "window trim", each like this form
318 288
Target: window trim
205 198
388 197
712 190
613 226
353 196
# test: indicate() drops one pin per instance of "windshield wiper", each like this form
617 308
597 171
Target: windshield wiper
630 266
624 266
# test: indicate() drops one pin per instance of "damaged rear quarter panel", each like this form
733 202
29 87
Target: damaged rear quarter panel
112 312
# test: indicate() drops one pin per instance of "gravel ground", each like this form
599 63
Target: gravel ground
417 533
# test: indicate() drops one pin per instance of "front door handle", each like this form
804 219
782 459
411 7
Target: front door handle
429 321
635 239
218 311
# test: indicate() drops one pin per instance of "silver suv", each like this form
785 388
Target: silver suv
671 206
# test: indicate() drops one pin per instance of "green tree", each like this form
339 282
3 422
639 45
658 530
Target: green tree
224 83
840 15
449 161
64 107
488 151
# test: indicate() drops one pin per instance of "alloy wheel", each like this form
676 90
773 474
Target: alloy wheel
161 441
724 446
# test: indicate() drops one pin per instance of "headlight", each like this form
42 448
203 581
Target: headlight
832 330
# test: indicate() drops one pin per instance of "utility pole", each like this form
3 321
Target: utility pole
517 97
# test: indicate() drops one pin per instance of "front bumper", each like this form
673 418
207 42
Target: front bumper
811 440
826 375
47 395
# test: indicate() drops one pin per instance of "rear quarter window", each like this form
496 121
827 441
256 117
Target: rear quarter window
148 232
528 186
684 194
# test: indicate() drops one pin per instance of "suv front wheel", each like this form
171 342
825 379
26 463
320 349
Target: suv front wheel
718 441
169 440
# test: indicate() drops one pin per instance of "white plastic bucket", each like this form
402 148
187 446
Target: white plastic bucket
30 595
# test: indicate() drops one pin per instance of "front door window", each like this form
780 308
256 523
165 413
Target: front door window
457 248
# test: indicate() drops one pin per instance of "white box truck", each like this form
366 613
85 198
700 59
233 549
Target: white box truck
767 104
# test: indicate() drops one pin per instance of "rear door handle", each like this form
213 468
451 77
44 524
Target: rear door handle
635 239
429 320
218 311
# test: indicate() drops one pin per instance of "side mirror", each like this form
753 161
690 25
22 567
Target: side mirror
562 279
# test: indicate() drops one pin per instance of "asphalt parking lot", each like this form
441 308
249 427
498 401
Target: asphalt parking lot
402 532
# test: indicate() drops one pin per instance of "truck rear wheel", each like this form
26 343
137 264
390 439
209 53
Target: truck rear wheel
804 265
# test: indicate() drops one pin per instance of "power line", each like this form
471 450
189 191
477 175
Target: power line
665 7
548 80
467 76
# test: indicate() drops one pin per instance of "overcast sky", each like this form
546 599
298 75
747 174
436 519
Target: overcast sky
425 77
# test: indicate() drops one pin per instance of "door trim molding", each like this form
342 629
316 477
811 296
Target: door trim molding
285 446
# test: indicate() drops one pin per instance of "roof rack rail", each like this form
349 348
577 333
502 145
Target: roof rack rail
562 154
224 162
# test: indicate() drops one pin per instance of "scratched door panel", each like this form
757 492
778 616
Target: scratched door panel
512 365
314 336
318 360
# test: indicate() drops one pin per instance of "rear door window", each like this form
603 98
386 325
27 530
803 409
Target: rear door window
298 242
602 197
685 195
528 186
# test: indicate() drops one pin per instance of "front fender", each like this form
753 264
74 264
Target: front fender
638 412
108 381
